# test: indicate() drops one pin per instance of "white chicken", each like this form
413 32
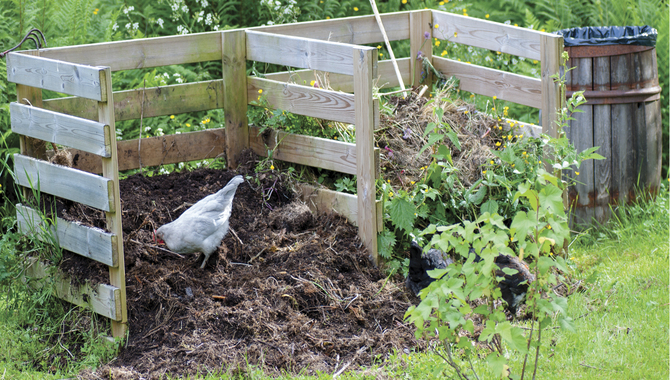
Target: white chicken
202 227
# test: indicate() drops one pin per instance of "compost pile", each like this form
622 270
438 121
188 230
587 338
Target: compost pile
287 292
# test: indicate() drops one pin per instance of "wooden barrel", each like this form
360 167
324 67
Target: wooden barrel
623 117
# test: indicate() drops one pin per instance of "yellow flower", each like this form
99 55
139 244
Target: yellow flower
441 3
444 52
335 137
379 46
487 15
512 165
388 180
327 17
484 172
542 30
549 227
390 194
259 97
381 55
312 83
535 61
498 143
577 173
404 1
412 182
272 167
498 52
491 162
188 125
455 34
524 153
472 95
95 12
465 10
465 112
516 24
495 97
437 26
355 9
493 109
172 117
437 43
467 62
260 91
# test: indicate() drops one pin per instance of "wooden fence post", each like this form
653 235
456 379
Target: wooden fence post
33 95
420 23
365 70
551 48
234 57
110 169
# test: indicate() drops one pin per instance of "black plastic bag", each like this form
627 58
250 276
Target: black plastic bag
609 35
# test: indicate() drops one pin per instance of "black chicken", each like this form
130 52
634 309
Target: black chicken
513 287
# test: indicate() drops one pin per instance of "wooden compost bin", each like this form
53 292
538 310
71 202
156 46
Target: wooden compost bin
88 126
623 117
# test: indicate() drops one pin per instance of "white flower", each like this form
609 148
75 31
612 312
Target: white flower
159 132
174 7
160 22
128 26
204 3
270 23
180 80
184 9
209 19
166 75
176 75
128 10
115 27
216 27
136 26
147 129
508 22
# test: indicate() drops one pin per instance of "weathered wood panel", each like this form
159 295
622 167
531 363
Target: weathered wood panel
420 22
324 201
582 138
488 34
235 95
306 150
602 137
59 128
365 69
551 49
64 182
352 30
59 76
159 150
102 299
110 170
490 82
31 95
143 53
305 53
90 242
624 170
302 100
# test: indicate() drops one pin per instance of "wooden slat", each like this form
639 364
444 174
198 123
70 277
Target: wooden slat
102 298
110 170
624 170
488 34
490 82
143 53
324 201
64 182
602 137
59 128
387 74
59 76
305 53
353 30
302 100
31 95
235 95
365 69
159 150
306 150
648 124
582 138
420 23
90 242
550 58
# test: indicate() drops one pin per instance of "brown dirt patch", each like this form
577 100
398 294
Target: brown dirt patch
293 293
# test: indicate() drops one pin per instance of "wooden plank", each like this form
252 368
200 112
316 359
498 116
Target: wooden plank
235 46
59 128
158 101
365 69
602 137
300 52
386 73
59 76
551 48
358 30
302 100
64 182
143 53
90 242
101 298
31 95
490 82
159 150
305 150
488 34
582 138
639 118
624 170
110 170
324 201
648 126
420 22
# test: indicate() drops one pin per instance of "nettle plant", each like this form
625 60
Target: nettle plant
468 291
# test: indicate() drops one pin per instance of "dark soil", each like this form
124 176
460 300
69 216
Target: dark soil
290 293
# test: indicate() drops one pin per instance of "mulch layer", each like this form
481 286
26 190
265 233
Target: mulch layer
288 292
